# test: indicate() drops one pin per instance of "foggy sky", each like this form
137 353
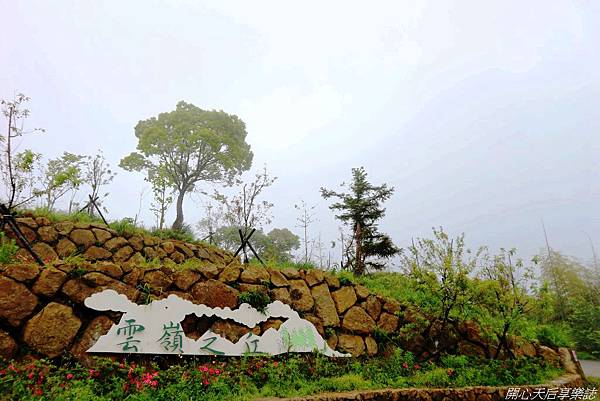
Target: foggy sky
482 115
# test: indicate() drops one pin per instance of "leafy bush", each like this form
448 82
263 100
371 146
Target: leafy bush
585 328
513 371
146 296
76 272
555 336
188 264
583 355
8 249
74 259
381 336
389 370
455 361
346 278
438 377
257 299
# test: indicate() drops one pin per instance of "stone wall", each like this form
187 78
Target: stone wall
42 311
94 241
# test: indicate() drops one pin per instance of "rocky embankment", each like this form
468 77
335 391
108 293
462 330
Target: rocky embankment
42 311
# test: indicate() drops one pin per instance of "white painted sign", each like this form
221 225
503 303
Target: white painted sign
156 329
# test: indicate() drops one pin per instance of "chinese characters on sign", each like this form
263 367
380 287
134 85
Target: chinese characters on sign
156 329
206 347
129 331
542 393
299 338
172 339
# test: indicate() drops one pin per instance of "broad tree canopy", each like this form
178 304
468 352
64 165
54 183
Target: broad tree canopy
190 145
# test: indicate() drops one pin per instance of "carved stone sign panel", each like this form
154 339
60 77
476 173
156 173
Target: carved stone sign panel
156 329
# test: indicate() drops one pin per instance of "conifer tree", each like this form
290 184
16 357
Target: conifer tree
361 210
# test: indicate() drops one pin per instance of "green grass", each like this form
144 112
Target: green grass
74 259
127 227
57 216
124 226
594 382
188 264
259 300
248 378
8 249
181 235
280 265
397 286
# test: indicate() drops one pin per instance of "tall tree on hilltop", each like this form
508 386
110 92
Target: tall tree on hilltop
190 145
361 209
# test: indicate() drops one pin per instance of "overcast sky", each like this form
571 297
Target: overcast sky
482 114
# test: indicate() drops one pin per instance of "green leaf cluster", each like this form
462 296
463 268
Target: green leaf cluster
180 148
360 208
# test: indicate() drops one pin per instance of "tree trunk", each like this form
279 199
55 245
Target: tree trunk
503 342
162 218
343 250
305 241
91 209
72 200
13 187
359 267
178 223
